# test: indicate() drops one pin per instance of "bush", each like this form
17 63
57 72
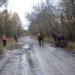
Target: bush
71 45
48 39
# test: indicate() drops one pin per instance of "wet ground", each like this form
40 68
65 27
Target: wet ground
28 58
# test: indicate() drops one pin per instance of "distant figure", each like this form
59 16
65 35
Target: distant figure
4 39
15 38
40 38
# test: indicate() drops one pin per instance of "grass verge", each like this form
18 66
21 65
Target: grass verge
71 45
8 41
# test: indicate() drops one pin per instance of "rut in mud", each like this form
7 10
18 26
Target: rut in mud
28 58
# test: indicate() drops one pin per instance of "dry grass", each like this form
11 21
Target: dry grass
8 41
71 45
48 39
0 42
1 45
34 37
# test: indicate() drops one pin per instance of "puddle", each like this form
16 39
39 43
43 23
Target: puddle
26 46
14 46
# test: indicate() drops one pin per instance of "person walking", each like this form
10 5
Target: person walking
4 39
15 38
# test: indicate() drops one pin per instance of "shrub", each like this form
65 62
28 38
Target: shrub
71 45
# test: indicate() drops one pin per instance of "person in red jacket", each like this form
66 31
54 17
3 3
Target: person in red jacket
4 39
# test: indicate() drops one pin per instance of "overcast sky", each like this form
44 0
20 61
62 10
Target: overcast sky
23 6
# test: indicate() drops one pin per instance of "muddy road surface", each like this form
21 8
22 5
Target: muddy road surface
28 58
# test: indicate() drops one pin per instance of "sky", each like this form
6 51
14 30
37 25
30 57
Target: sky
23 6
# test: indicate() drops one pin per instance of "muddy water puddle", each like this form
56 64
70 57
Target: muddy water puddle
14 46
26 46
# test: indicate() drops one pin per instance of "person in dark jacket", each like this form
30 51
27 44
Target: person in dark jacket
15 38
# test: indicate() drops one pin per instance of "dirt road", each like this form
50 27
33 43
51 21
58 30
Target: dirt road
28 58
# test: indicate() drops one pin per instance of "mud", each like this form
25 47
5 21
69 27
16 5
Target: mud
14 46
28 58
1 54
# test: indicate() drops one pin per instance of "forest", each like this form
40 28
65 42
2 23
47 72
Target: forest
46 16
49 17
10 23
